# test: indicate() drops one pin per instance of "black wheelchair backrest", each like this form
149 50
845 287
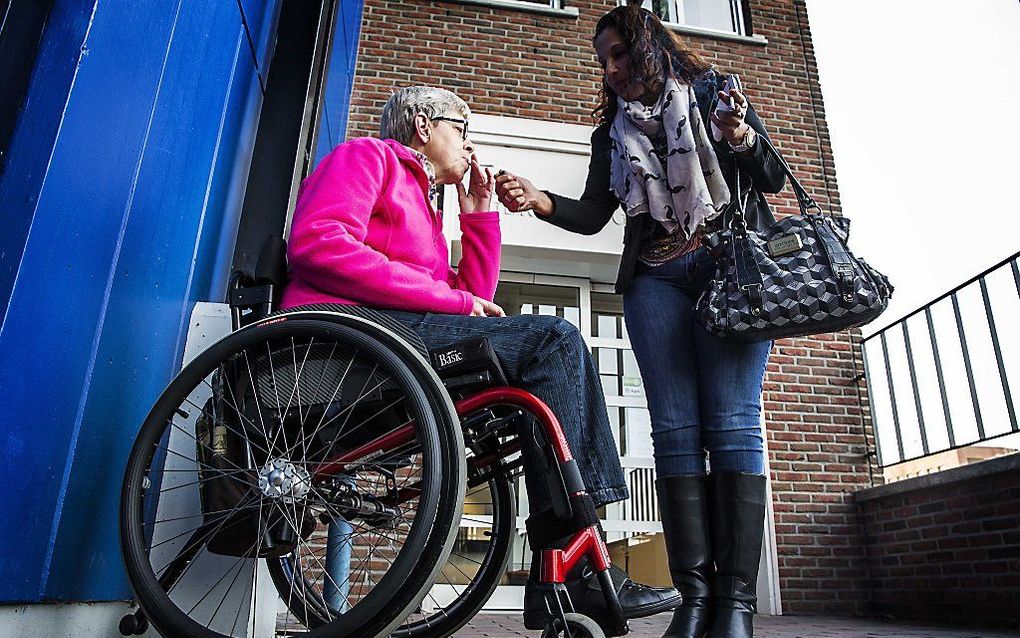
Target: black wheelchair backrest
271 268
252 296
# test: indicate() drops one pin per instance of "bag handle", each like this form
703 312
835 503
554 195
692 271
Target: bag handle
835 252
733 216
804 200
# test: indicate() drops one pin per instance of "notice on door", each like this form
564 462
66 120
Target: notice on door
632 387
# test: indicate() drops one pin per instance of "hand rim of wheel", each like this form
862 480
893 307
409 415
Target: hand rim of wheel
204 364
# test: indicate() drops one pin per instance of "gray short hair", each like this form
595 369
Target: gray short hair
399 111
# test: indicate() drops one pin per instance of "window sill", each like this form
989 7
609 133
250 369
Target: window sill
521 5
717 34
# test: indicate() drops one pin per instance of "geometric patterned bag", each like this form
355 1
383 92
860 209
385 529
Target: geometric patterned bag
792 279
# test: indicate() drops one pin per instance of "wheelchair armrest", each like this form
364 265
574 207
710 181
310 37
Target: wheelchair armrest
468 381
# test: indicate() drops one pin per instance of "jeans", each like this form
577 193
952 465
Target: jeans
704 393
547 357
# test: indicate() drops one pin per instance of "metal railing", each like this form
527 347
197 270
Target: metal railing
939 378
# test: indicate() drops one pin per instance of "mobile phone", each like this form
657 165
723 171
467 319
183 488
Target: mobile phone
732 82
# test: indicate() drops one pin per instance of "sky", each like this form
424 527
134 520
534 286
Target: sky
920 99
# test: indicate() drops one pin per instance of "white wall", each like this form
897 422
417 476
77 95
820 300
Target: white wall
554 157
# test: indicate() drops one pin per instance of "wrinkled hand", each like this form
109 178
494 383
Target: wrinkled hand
518 194
731 123
476 197
485 308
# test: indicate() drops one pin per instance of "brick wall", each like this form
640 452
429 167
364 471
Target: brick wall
512 63
946 547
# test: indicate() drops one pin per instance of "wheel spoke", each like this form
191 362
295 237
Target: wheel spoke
258 406
321 424
201 464
209 534
224 422
348 410
216 584
322 375
316 391
296 390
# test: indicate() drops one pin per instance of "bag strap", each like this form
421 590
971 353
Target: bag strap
835 251
733 216
839 259
749 277
803 199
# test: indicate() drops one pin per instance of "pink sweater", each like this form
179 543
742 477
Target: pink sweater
365 233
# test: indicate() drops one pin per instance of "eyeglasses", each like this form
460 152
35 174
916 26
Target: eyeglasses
453 120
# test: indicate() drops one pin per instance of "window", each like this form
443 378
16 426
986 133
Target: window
719 15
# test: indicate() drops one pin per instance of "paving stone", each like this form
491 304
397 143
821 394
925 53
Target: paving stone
495 625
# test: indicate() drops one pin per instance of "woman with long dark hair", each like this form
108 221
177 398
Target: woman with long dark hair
672 135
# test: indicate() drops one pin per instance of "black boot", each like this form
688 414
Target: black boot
685 529
737 523
586 595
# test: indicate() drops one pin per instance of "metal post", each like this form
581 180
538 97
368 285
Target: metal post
967 366
942 381
917 394
892 397
998 354
336 587
1016 276
871 402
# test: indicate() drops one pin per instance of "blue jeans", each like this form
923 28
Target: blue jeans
704 393
548 357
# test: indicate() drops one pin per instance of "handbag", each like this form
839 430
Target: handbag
794 279
229 492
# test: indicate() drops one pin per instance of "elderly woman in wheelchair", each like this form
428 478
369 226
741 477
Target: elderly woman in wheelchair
326 448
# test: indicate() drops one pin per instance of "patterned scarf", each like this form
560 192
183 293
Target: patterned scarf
653 168
430 172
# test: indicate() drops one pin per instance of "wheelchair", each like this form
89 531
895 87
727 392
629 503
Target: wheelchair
325 452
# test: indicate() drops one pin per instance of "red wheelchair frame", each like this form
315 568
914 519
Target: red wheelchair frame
586 542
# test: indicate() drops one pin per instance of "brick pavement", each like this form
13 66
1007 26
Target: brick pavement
505 625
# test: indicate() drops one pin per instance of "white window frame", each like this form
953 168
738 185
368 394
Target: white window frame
676 16
546 7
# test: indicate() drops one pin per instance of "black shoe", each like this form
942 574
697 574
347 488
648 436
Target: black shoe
737 523
586 595
682 508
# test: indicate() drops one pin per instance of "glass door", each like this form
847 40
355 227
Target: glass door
528 294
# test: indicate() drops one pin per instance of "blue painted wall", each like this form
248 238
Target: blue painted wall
337 96
118 204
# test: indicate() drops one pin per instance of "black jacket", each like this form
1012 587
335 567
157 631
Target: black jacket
760 172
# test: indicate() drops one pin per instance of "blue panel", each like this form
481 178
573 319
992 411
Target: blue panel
149 291
56 304
262 18
340 80
141 185
30 146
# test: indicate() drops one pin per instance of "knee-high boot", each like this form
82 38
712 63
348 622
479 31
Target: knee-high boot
737 523
682 508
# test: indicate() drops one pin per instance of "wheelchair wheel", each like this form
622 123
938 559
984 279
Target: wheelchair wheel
269 438
576 626
476 564
466 580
